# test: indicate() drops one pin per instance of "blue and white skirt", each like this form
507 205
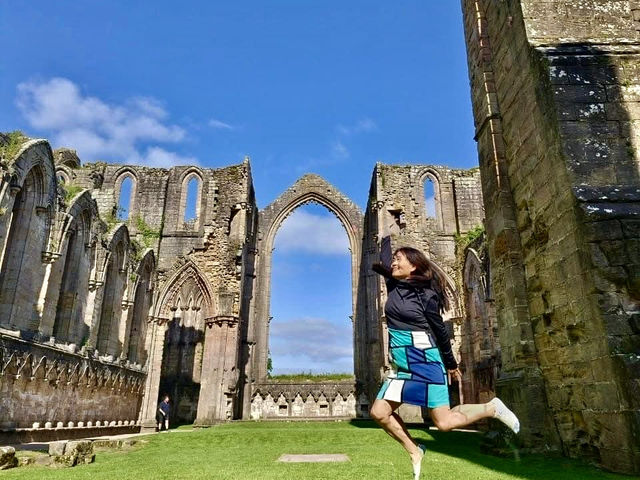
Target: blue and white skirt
418 375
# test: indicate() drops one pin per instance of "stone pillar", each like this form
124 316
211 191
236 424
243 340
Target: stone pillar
91 317
125 327
155 347
44 325
219 377
520 383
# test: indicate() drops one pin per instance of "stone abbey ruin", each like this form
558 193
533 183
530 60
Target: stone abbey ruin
100 316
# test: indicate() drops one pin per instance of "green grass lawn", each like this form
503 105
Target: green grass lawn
249 450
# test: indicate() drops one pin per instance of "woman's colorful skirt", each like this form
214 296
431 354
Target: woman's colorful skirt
418 376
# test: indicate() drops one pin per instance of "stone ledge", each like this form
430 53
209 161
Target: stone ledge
28 435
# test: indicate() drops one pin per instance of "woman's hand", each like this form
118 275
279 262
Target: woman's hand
454 375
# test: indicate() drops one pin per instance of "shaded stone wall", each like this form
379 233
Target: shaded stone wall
479 343
554 90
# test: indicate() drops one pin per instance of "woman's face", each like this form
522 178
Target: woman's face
401 267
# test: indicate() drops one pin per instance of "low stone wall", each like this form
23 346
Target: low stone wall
27 435
44 389
305 400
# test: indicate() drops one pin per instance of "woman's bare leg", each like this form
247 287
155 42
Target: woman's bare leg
383 412
447 419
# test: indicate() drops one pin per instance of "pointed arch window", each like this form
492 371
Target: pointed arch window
125 196
432 207
430 197
190 200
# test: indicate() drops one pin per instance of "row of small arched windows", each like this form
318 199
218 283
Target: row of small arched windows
190 197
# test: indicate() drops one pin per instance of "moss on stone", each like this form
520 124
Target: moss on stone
11 143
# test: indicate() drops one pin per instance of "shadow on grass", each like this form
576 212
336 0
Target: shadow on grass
465 446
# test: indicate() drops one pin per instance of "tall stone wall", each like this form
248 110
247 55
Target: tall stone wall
85 301
554 96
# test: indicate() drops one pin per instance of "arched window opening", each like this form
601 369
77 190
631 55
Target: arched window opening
20 276
142 300
311 304
124 198
68 301
430 197
191 202
112 303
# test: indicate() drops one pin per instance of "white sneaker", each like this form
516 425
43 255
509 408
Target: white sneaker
505 415
417 466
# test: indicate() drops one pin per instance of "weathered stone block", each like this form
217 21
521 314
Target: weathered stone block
57 448
8 458
82 450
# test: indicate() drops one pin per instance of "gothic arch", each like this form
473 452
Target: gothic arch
430 174
28 198
309 188
176 342
141 298
451 291
115 281
72 242
120 175
185 178
186 282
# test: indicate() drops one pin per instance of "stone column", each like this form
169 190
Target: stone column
155 347
91 319
125 327
219 377
44 325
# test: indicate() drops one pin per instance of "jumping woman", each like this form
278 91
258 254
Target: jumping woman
420 353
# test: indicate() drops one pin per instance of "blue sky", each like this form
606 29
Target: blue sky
299 86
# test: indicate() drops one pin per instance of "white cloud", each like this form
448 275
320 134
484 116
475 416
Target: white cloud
306 232
98 130
364 125
340 150
311 344
219 124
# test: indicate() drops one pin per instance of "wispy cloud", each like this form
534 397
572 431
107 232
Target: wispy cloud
340 150
306 232
315 344
364 125
127 133
220 125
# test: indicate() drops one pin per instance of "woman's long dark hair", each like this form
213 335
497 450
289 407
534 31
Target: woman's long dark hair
425 274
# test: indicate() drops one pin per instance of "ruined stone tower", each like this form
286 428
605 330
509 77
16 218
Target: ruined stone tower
555 88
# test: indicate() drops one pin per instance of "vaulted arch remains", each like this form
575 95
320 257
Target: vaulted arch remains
308 189
136 352
73 244
480 349
29 200
182 310
115 281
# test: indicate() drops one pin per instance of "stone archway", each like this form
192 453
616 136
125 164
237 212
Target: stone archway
186 293
308 189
